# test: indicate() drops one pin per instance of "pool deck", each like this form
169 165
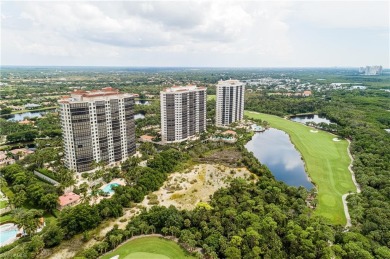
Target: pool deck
119 181
12 239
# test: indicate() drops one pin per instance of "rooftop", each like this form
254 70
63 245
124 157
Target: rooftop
187 88
23 151
68 198
25 122
229 132
229 82
147 138
105 93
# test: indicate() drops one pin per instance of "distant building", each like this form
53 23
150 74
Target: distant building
183 112
31 106
229 102
97 126
26 122
6 159
359 87
20 153
306 93
371 70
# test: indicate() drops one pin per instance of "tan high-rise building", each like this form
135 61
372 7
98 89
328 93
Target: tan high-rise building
183 112
97 126
229 102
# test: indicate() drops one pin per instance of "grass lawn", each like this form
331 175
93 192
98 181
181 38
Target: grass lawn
149 248
211 97
6 218
3 204
326 162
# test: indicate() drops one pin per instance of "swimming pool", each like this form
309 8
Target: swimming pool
108 188
8 233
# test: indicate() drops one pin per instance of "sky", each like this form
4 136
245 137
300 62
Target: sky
195 33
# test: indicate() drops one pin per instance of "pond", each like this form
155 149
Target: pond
274 149
310 118
142 102
139 116
21 116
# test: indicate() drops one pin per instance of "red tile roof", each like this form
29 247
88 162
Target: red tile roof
229 132
68 198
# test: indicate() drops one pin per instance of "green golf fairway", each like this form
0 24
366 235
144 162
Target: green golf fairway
149 248
326 162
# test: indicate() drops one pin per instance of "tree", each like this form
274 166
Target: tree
78 219
49 201
29 220
91 253
232 252
18 200
5 110
52 235
35 246
187 223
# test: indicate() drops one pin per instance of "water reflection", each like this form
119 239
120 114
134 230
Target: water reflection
139 116
21 116
274 149
142 102
310 118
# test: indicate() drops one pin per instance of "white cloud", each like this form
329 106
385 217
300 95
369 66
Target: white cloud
344 14
226 33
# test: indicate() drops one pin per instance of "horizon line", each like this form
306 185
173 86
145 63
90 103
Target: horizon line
208 67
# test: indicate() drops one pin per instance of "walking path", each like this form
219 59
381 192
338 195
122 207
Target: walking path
358 190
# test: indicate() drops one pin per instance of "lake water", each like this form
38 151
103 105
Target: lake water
310 118
274 149
21 116
139 116
142 102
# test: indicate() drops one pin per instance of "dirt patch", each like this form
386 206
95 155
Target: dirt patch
228 157
185 190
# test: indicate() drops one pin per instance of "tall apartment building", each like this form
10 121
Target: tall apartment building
230 102
97 126
183 112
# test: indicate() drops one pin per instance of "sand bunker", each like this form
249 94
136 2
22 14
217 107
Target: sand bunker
314 131
336 139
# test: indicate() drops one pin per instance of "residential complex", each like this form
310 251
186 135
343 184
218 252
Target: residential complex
183 112
97 126
230 102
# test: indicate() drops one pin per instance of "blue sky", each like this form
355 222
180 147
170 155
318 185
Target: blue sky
196 33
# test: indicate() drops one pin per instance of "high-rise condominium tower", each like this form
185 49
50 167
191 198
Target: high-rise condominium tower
183 112
97 126
230 102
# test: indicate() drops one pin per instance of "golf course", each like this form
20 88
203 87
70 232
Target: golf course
326 161
149 248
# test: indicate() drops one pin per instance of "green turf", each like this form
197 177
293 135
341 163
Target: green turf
149 248
3 204
326 161
138 255
6 218
211 97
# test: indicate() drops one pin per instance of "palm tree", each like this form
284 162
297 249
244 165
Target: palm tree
132 230
28 220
